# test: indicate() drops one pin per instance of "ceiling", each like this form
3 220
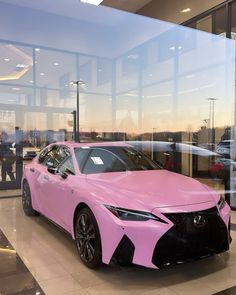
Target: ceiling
127 5
167 10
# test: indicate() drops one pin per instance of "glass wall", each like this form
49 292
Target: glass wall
233 20
159 86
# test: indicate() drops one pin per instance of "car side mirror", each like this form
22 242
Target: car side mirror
52 170
66 173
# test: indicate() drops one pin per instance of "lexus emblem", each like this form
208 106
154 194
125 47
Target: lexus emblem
199 221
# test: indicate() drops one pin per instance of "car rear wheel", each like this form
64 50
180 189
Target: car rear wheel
88 239
26 200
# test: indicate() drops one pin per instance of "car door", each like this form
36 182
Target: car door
40 172
54 186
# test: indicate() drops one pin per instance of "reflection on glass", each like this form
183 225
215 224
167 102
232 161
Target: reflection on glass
219 18
205 24
7 157
16 64
146 81
233 19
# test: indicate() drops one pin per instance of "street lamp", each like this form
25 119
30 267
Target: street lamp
152 155
212 119
77 83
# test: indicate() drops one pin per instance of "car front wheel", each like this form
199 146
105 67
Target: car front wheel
88 239
26 200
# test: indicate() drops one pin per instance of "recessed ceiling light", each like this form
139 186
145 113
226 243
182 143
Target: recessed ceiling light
100 70
185 10
180 47
56 64
15 88
133 56
37 49
94 2
190 76
172 48
42 74
6 59
31 81
22 66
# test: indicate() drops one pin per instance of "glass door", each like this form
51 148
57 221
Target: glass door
11 163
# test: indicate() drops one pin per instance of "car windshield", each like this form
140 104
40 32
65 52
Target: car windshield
112 159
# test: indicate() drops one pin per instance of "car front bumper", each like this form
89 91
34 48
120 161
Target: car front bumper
154 244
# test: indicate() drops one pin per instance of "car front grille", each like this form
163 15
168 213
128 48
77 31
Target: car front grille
193 235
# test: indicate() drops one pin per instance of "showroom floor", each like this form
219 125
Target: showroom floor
38 258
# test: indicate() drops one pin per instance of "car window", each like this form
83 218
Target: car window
55 156
81 155
113 159
137 160
45 153
101 161
66 166
51 159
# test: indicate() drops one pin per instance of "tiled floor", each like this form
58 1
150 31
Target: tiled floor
51 257
9 193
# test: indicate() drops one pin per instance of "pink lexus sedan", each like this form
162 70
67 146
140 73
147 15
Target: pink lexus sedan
118 205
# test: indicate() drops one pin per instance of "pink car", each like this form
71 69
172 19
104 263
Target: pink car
118 205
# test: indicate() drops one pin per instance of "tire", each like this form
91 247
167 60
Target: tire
26 200
87 238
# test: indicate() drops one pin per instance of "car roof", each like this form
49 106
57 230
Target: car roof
90 144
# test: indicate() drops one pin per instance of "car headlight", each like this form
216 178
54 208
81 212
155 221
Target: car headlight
132 215
221 203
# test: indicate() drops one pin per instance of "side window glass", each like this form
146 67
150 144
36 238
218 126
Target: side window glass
81 155
101 161
42 155
67 166
50 159
45 154
56 156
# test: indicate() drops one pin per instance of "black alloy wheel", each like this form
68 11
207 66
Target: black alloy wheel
88 239
26 200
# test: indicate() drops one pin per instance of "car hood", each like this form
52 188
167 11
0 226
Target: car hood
151 189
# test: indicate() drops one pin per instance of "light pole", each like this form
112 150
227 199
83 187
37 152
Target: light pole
77 83
212 119
153 130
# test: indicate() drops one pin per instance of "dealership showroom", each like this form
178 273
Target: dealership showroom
117 147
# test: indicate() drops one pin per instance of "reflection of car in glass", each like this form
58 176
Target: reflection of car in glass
221 168
29 151
119 205
167 146
222 164
224 147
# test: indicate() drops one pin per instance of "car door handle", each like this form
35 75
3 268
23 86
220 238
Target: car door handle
32 170
46 177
